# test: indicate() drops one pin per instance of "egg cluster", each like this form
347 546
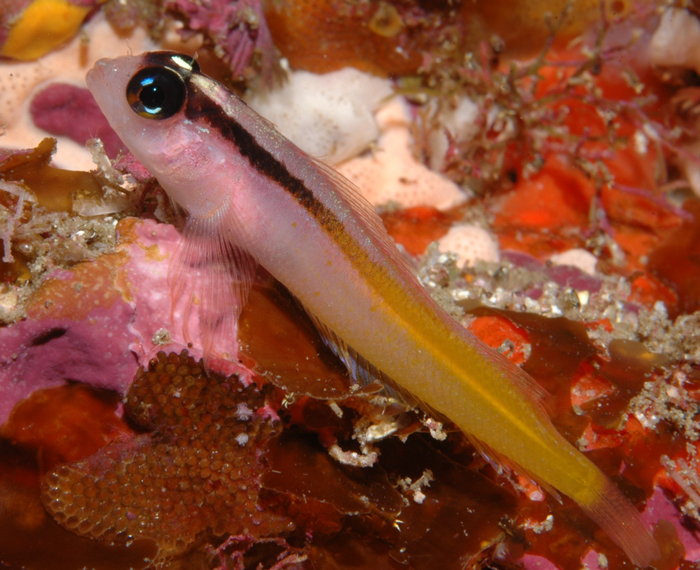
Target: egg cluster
197 472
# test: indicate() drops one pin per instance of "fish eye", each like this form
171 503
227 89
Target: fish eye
156 92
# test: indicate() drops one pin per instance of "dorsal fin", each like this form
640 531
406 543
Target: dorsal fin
367 216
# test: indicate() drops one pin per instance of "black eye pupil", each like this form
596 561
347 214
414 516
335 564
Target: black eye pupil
156 92
152 96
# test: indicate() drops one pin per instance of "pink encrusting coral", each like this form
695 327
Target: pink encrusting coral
160 320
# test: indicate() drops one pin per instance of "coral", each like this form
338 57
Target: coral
552 211
85 323
461 123
524 24
156 323
43 26
199 470
10 12
404 518
278 341
76 329
29 537
568 154
15 87
416 228
20 80
580 105
673 51
68 422
321 36
50 187
660 506
558 197
392 174
41 211
677 260
329 116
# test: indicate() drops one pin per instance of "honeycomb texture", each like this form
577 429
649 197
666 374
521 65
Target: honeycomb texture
196 473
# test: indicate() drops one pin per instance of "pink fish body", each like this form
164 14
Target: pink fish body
254 197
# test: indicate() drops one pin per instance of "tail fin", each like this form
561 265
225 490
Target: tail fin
612 512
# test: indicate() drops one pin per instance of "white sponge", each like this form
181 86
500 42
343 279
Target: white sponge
391 173
471 244
676 42
329 116
580 258
460 122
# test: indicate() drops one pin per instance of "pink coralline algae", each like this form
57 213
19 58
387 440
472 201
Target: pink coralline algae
238 31
67 110
96 322
76 330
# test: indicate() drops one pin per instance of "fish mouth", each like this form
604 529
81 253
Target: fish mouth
97 73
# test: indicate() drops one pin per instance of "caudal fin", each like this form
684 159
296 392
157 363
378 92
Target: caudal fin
612 512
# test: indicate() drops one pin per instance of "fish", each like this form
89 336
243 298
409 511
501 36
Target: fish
253 197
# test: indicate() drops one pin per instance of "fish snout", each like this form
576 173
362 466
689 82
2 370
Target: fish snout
97 74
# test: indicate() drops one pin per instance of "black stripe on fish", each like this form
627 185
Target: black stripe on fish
202 108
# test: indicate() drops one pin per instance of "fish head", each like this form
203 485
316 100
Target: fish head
144 99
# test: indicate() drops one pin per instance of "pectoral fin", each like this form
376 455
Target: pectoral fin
210 278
